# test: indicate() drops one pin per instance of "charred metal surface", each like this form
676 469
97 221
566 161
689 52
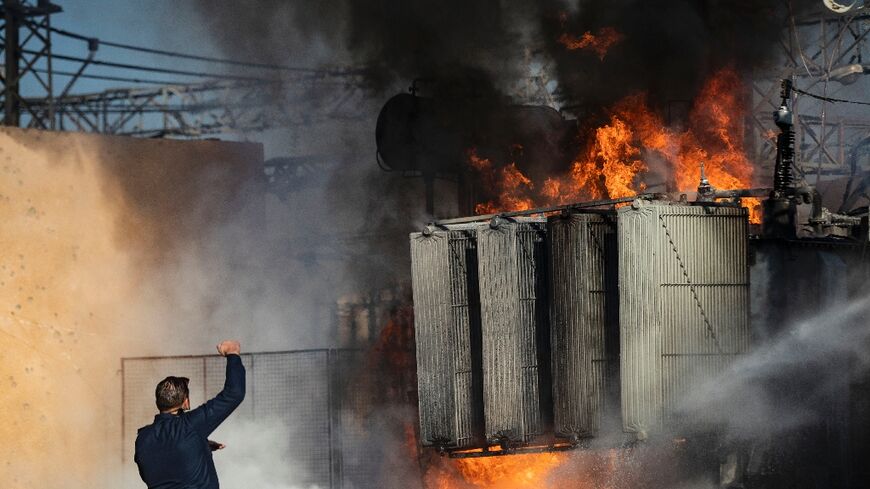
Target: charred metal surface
515 329
577 206
683 305
584 320
792 281
447 332
499 452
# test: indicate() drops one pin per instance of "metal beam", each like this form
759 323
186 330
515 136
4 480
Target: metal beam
812 46
18 66
211 107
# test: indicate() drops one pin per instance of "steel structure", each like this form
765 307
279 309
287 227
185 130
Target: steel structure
683 306
447 335
584 318
515 330
217 103
194 110
828 55
25 37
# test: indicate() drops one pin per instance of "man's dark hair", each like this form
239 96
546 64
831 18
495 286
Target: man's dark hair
171 392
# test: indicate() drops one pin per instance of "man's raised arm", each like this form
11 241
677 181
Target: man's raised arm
209 416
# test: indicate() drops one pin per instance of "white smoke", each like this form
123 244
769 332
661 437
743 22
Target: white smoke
782 384
257 455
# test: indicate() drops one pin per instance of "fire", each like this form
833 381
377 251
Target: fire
511 185
599 43
608 168
617 158
615 161
718 108
582 469
510 472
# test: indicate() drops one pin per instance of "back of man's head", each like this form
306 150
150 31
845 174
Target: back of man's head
171 393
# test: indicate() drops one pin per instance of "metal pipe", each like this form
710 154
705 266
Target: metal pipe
485 452
543 210
51 118
759 192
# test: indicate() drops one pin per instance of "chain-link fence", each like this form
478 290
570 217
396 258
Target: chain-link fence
306 398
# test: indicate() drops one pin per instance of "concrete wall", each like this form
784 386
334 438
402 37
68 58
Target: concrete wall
106 250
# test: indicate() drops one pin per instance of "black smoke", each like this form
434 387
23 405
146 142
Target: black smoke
667 50
668 47
470 56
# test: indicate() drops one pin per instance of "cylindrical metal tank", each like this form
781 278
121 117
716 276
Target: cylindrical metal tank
584 318
683 305
512 266
433 135
447 335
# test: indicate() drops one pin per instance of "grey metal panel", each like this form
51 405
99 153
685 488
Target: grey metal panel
446 320
584 320
515 329
683 301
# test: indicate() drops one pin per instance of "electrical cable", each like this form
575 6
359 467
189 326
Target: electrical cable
248 64
108 78
830 99
793 35
152 69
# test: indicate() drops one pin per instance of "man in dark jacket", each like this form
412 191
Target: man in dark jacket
174 452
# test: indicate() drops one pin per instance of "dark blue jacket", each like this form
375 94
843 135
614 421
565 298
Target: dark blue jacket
173 452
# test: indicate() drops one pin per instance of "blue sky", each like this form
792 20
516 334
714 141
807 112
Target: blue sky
170 25
162 24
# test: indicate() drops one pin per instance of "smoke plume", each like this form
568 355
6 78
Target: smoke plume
666 49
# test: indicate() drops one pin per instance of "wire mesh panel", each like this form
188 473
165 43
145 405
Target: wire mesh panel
215 374
303 403
355 460
140 380
295 388
584 320
683 302
512 269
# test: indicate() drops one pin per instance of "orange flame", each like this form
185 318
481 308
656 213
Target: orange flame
608 168
599 43
614 161
511 185
598 469
510 472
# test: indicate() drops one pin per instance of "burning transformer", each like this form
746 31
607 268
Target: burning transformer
550 328
527 327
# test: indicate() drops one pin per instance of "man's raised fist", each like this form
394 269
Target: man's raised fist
229 347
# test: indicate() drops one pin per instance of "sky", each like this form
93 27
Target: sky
158 24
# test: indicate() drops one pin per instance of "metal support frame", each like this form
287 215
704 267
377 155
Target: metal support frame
27 61
826 133
234 104
200 109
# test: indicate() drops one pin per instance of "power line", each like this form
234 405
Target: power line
170 71
248 64
108 78
829 99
